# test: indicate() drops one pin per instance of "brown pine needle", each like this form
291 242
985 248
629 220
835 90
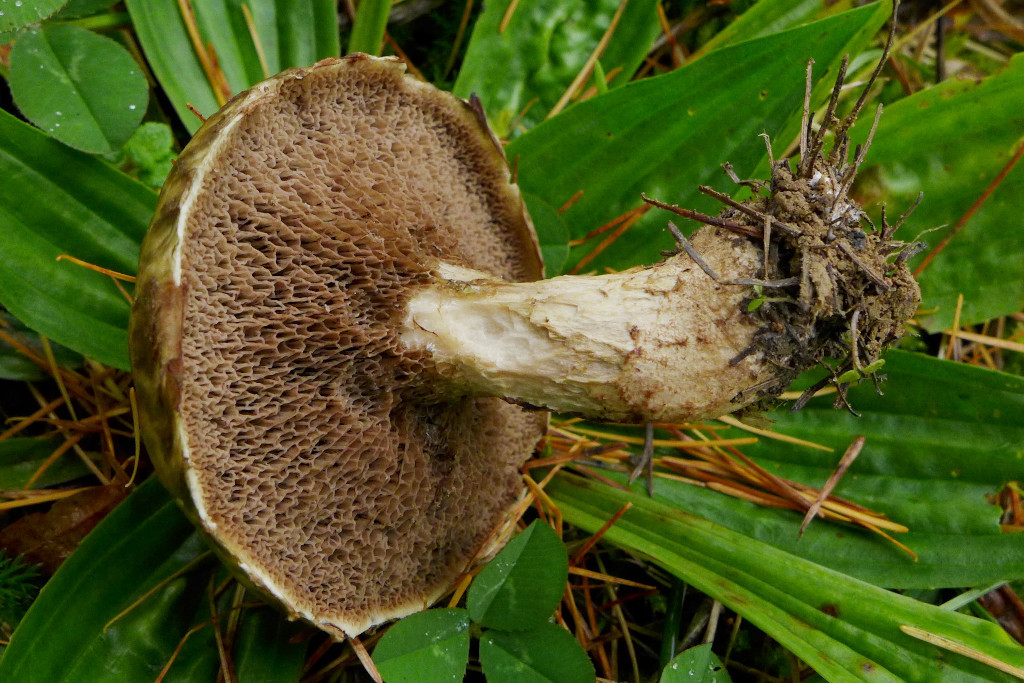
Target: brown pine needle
670 37
600 230
507 17
24 350
457 43
114 275
717 465
580 571
404 57
461 588
844 464
257 43
181 643
592 541
44 498
192 564
952 347
568 205
55 372
637 214
768 434
594 474
546 508
52 458
588 67
99 269
365 660
874 529
23 422
519 117
582 630
986 340
979 202
664 443
227 666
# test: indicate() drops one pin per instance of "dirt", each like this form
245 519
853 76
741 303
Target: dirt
845 292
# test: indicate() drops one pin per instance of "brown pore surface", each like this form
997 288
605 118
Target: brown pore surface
314 464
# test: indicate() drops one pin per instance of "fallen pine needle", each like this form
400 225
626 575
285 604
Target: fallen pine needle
580 571
844 463
768 434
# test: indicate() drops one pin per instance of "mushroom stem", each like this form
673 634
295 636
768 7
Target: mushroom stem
647 344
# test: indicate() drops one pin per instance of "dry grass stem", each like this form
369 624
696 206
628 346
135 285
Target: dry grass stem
588 66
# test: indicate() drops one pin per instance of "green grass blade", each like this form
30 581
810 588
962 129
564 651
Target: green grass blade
165 42
53 201
368 29
288 33
845 629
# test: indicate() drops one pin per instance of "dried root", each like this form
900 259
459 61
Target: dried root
833 286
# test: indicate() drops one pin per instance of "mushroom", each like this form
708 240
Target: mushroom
343 354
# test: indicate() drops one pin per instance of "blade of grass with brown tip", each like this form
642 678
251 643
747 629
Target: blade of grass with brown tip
840 626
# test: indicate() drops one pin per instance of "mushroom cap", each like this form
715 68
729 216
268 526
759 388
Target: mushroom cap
276 400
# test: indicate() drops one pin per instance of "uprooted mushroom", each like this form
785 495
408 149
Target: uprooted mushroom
342 349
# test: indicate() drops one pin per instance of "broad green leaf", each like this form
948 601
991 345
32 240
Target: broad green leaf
21 457
16 365
552 234
926 143
943 438
846 629
53 201
368 29
541 51
546 654
665 135
523 584
66 635
426 647
696 665
265 650
75 9
15 14
289 33
80 87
